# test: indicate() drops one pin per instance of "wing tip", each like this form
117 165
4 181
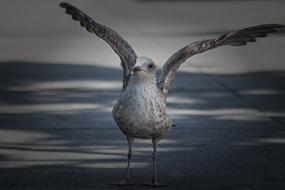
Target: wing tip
67 6
272 28
71 10
64 5
279 25
281 28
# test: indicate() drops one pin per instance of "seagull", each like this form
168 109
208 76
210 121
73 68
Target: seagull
140 111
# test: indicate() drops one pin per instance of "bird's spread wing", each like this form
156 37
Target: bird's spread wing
118 44
238 38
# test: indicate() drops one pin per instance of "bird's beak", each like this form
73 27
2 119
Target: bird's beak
136 69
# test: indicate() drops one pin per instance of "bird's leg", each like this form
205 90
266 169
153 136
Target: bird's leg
154 181
154 178
130 143
127 180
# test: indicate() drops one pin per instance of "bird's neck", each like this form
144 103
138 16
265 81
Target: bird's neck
137 80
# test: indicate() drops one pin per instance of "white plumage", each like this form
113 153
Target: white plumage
140 111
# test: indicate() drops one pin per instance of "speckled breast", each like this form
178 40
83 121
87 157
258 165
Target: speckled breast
142 114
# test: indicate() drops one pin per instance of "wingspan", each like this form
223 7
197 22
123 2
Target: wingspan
117 43
238 38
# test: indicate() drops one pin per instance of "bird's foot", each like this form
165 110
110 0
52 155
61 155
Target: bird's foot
124 182
155 183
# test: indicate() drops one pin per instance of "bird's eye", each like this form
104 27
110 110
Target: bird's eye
150 66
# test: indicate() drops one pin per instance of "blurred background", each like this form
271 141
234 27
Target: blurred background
58 84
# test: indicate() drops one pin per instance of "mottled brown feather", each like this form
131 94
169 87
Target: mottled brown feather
238 38
117 43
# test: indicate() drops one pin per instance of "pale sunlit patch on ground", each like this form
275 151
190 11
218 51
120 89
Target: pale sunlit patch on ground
214 112
74 84
20 136
242 117
238 114
114 165
261 92
48 108
182 100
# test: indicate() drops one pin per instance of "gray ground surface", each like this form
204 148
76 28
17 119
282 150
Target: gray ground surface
56 129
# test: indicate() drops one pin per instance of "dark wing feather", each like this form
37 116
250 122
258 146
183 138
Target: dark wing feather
238 38
118 44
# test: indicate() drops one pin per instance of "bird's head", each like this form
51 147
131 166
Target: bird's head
144 68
